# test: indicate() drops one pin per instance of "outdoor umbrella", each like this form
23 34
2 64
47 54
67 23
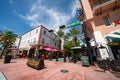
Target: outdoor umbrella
76 47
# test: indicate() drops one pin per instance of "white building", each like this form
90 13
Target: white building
38 38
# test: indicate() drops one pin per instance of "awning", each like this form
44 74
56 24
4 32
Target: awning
114 36
51 49
48 49
76 47
11 48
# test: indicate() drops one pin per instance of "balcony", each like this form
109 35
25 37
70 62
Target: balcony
98 4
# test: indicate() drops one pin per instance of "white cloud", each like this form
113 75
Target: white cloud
50 18
74 8
14 7
10 1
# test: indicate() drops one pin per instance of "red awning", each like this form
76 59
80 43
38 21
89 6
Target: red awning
55 50
48 49
51 49
11 48
61 51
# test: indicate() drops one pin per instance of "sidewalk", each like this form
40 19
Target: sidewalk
18 70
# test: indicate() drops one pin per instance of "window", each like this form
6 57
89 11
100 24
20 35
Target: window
34 40
43 41
55 43
36 31
44 32
106 21
28 41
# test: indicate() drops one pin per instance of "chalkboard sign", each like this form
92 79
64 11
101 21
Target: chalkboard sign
85 60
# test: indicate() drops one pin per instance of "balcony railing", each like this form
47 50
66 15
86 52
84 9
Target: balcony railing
99 3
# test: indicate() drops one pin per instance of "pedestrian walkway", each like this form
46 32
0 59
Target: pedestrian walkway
18 70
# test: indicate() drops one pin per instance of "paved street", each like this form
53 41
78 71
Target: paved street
18 70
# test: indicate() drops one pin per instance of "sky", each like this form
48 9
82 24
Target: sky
21 16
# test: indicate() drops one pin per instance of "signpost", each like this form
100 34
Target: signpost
73 24
78 22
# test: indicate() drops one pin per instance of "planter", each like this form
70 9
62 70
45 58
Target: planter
7 59
36 63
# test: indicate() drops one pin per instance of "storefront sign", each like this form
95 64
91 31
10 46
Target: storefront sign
117 22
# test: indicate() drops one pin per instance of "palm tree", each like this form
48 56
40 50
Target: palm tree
7 40
74 33
60 35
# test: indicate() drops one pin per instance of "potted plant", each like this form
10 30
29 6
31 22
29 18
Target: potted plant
8 56
7 40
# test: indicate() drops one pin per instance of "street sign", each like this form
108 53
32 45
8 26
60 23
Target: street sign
73 24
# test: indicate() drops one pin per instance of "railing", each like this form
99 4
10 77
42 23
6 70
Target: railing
101 2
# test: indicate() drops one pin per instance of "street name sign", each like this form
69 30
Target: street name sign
73 24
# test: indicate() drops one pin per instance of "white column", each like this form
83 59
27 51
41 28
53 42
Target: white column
62 43
104 53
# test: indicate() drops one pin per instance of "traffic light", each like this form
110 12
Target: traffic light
62 27
50 30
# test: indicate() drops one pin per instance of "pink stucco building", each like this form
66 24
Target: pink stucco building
102 20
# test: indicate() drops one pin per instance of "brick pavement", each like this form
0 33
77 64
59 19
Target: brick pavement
18 70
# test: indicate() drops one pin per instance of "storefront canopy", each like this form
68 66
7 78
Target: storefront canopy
51 49
11 48
114 36
76 47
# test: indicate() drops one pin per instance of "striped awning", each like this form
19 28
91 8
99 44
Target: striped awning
114 36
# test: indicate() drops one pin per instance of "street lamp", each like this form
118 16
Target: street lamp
87 39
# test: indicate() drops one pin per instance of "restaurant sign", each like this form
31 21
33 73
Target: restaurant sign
117 22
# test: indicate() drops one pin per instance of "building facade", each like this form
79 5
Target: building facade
37 39
102 21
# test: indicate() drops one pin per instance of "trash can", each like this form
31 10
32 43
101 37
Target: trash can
8 58
85 60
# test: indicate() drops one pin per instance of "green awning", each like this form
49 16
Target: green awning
117 33
114 36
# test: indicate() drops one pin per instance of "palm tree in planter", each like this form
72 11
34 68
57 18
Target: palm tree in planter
73 34
7 40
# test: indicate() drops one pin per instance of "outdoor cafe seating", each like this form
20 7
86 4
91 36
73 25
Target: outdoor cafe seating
109 64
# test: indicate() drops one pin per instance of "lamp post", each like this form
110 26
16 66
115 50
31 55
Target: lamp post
87 39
